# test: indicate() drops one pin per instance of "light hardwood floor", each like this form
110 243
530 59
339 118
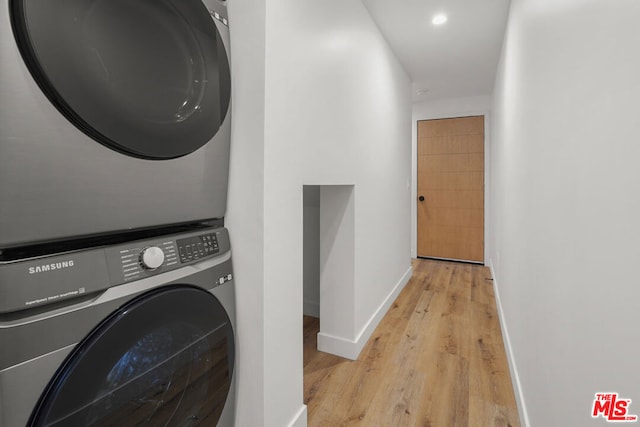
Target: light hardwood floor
436 359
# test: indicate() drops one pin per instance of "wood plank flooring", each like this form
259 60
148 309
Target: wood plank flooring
436 359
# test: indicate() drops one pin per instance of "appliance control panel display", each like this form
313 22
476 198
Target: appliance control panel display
197 247
135 261
141 259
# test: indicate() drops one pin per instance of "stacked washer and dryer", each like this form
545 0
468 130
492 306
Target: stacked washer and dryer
117 302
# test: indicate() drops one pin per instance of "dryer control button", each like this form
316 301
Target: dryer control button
152 257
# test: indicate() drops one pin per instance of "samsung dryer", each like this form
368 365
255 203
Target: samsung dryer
139 333
114 115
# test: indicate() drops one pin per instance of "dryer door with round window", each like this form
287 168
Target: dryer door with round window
149 78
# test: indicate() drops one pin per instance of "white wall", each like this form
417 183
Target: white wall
442 109
337 270
336 111
566 204
245 204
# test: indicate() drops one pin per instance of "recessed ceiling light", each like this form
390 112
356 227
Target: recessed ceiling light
439 19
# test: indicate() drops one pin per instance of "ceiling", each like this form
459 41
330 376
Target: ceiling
456 59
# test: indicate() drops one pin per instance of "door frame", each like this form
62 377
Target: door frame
447 114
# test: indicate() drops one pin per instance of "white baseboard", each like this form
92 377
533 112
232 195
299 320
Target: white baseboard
311 308
337 345
351 349
300 419
515 379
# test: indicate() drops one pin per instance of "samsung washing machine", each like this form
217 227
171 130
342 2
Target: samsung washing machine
138 333
114 116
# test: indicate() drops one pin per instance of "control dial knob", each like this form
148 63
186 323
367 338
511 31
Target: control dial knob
152 257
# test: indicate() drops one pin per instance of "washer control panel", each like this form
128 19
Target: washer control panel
144 258
135 261
197 247
54 278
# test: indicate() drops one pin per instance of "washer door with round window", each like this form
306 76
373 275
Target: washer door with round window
165 358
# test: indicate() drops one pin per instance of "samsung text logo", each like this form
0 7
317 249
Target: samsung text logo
50 267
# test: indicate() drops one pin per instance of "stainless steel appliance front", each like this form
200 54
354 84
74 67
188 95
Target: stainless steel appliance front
114 115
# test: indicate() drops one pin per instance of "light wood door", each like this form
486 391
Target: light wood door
451 188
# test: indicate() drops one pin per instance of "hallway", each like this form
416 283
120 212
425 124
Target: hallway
436 359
